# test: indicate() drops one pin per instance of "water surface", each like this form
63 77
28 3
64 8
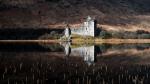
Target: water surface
66 63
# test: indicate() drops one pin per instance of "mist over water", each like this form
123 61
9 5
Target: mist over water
68 63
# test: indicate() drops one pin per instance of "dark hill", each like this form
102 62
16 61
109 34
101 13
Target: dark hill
32 13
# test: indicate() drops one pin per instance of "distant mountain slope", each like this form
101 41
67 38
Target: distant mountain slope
41 13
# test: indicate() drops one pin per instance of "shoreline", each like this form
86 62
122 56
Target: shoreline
29 41
78 41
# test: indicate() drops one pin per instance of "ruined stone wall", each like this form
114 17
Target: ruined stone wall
87 29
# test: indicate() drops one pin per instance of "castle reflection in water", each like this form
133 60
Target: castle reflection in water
91 54
86 52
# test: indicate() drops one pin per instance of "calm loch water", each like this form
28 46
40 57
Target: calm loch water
66 63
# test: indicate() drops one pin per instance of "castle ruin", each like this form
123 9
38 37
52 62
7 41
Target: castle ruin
86 29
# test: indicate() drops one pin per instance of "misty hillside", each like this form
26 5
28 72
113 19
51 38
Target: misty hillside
41 13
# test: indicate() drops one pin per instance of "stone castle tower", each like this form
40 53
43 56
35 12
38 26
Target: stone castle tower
87 28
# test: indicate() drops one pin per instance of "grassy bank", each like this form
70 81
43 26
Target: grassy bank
82 41
111 41
97 40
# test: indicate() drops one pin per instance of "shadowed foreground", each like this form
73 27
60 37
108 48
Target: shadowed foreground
47 64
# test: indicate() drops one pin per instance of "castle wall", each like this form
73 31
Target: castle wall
87 29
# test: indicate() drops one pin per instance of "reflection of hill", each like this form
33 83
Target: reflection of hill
52 47
126 51
107 47
22 47
127 56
